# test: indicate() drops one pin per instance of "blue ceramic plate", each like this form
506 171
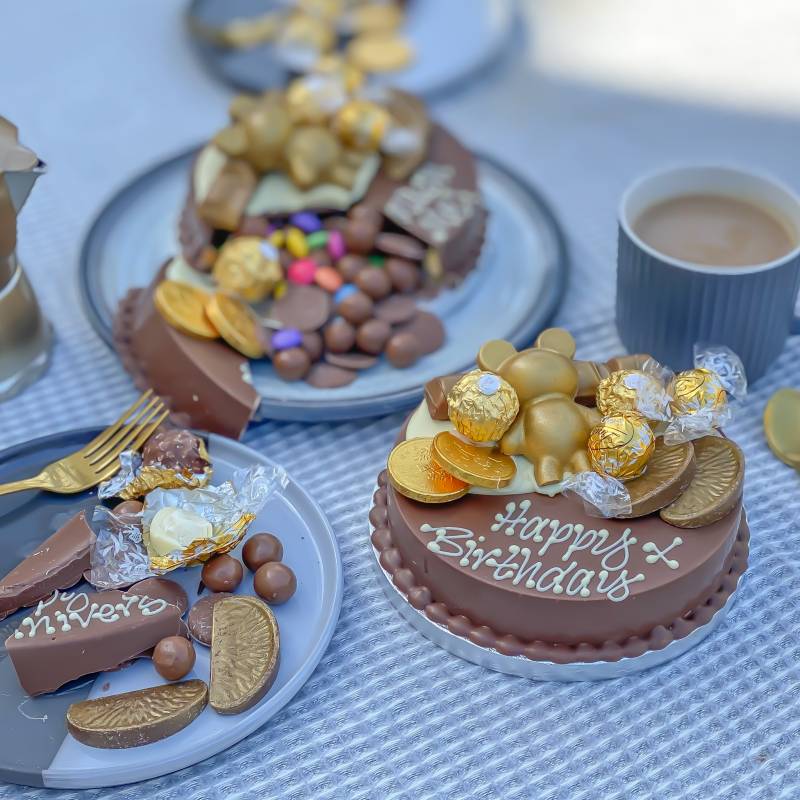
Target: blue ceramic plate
511 294
35 746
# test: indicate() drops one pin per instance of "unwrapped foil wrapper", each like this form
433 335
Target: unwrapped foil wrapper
118 556
133 480
602 495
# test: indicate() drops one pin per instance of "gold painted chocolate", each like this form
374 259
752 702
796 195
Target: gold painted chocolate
335 66
482 406
478 466
136 718
633 391
311 154
361 124
414 474
557 339
245 653
696 390
493 353
236 323
309 32
379 52
782 426
183 307
621 445
244 268
716 487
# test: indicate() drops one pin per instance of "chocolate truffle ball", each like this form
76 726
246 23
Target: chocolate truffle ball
292 364
403 349
371 337
222 573
375 282
339 335
350 265
174 449
173 658
356 307
274 582
260 549
312 344
360 235
404 275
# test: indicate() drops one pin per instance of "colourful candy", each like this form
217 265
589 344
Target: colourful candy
280 290
302 271
336 245
306 221
376 260
317 240
329 279
277 238
343 292
286 338
296 242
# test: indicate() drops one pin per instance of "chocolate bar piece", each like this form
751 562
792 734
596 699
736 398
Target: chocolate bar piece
58 563
436 391
590 373
229 195
72 634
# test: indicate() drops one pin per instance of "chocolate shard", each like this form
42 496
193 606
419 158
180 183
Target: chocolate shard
72 634
58 563
436 391
202 382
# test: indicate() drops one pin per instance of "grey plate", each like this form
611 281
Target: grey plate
35 748
511 294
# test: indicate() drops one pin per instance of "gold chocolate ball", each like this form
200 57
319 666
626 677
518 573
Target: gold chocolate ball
697 390
249 267
311 154
632 390
334 65
308 32
312 99
482 406
621 445
361 124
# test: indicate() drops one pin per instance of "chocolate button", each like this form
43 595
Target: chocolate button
371 337
339 335
356 307
357 361
398 244
427 328
350 266
306 308
327 376
396 310
405 275
403 350
201 617
375 282
292 364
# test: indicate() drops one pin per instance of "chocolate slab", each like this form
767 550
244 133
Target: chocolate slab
58 563
202 382
72 634
436 391
195 236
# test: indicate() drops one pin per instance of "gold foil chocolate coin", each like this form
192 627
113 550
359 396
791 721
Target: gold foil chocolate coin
245 652
135 718
415 475
621 445
379 52
184 307
478 466
782 426
237 324
716 487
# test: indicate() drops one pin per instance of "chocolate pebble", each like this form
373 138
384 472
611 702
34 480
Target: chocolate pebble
222 573
327 376
292 364
339 335
350 265
312 344
201 617
396 309
261 548
362 211
375 282
403 349
360 235
274 582
356 308
405 275
371 337
173 658
398 244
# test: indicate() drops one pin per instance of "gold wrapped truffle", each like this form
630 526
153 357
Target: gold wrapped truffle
482 406
634 391
361 124
697 391
248 267
312 99
621 445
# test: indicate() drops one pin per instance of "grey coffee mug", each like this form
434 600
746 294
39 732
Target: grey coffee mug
665 305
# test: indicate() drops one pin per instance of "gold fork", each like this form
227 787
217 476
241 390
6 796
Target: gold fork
99 459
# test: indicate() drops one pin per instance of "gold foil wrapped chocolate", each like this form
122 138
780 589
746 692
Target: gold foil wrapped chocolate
361 124
312 99
248 267
621 445
482 406
632 390
697 391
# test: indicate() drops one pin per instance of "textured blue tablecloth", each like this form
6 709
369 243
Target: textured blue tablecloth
386 714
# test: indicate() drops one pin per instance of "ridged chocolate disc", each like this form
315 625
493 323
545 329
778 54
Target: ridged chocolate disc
135 718
669 472
245 650
716 487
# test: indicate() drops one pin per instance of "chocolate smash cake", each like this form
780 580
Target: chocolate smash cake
313 223
541 507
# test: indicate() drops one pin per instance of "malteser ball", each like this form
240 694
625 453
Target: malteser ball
403 349
261 549
222 573
371 337
350 266
360 235
405 275
292 364
339 335
375 282
356 307
362 211
173 658
312 344
274 582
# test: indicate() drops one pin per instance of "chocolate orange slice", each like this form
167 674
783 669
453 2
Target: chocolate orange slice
245 652
715 489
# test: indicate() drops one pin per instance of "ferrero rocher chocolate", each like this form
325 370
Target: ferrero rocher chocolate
415 475
249 267
621 445
697 390
237 324
361 124
482 406
634 391
183 307
479 466
313 98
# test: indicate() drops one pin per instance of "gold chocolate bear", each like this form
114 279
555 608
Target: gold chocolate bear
551 429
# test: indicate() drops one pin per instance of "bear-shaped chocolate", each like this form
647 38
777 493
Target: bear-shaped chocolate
551 429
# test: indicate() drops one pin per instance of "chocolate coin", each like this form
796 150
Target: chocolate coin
379 52
305 308
184 307
415 475
327 376
236 323
478 466
396 309
357 361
